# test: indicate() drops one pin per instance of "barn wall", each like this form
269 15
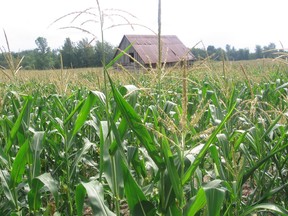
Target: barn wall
125 59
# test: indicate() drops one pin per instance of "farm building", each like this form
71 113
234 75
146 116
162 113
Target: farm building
144 49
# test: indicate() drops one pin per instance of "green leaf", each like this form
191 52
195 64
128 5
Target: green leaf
110 165
17 124
104 153
80 194
138 163
144 208
79 105
118 135
272 192
271 127
169 106
34 195
282 86
59 103
130 92
260 162
215 198
100 95
265 206
114 60
3 158
196 204
18 167
172 170
5 186
95 196
79 156
137 202
187 175
85 110
217 161
136 125
50 183
36 148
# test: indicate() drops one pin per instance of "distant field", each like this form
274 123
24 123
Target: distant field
256 70
211 139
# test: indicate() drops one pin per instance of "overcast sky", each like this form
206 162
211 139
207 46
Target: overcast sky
240 23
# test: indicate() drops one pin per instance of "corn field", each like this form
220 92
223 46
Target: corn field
206 140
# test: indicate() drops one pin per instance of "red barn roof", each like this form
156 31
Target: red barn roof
173 50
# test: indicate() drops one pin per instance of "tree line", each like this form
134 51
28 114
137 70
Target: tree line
89 54
74 55
230 53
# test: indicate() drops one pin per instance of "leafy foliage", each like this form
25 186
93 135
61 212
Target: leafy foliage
127 151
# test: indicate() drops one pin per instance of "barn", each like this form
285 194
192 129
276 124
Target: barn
144 49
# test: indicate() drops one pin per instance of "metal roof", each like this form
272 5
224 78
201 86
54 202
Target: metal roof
173 50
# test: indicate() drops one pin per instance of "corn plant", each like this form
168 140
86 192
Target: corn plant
181 145
13 64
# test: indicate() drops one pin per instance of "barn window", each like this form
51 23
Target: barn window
131 57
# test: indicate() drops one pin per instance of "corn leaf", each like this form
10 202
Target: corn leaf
3 158
18 167
187 175
85 110
80 194
265 206
172 170
95 196
136 125
260 162
17 124
4 176
116 58
36 148
196 204
215 198
137 202
34 195
84 150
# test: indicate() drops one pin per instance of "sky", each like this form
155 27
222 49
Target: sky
197 23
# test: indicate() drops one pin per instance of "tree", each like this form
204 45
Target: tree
228 48
199 53
230 53
43 54
108 49
243 54
211 50
85 54
258 52
269 50
41 44
68 54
